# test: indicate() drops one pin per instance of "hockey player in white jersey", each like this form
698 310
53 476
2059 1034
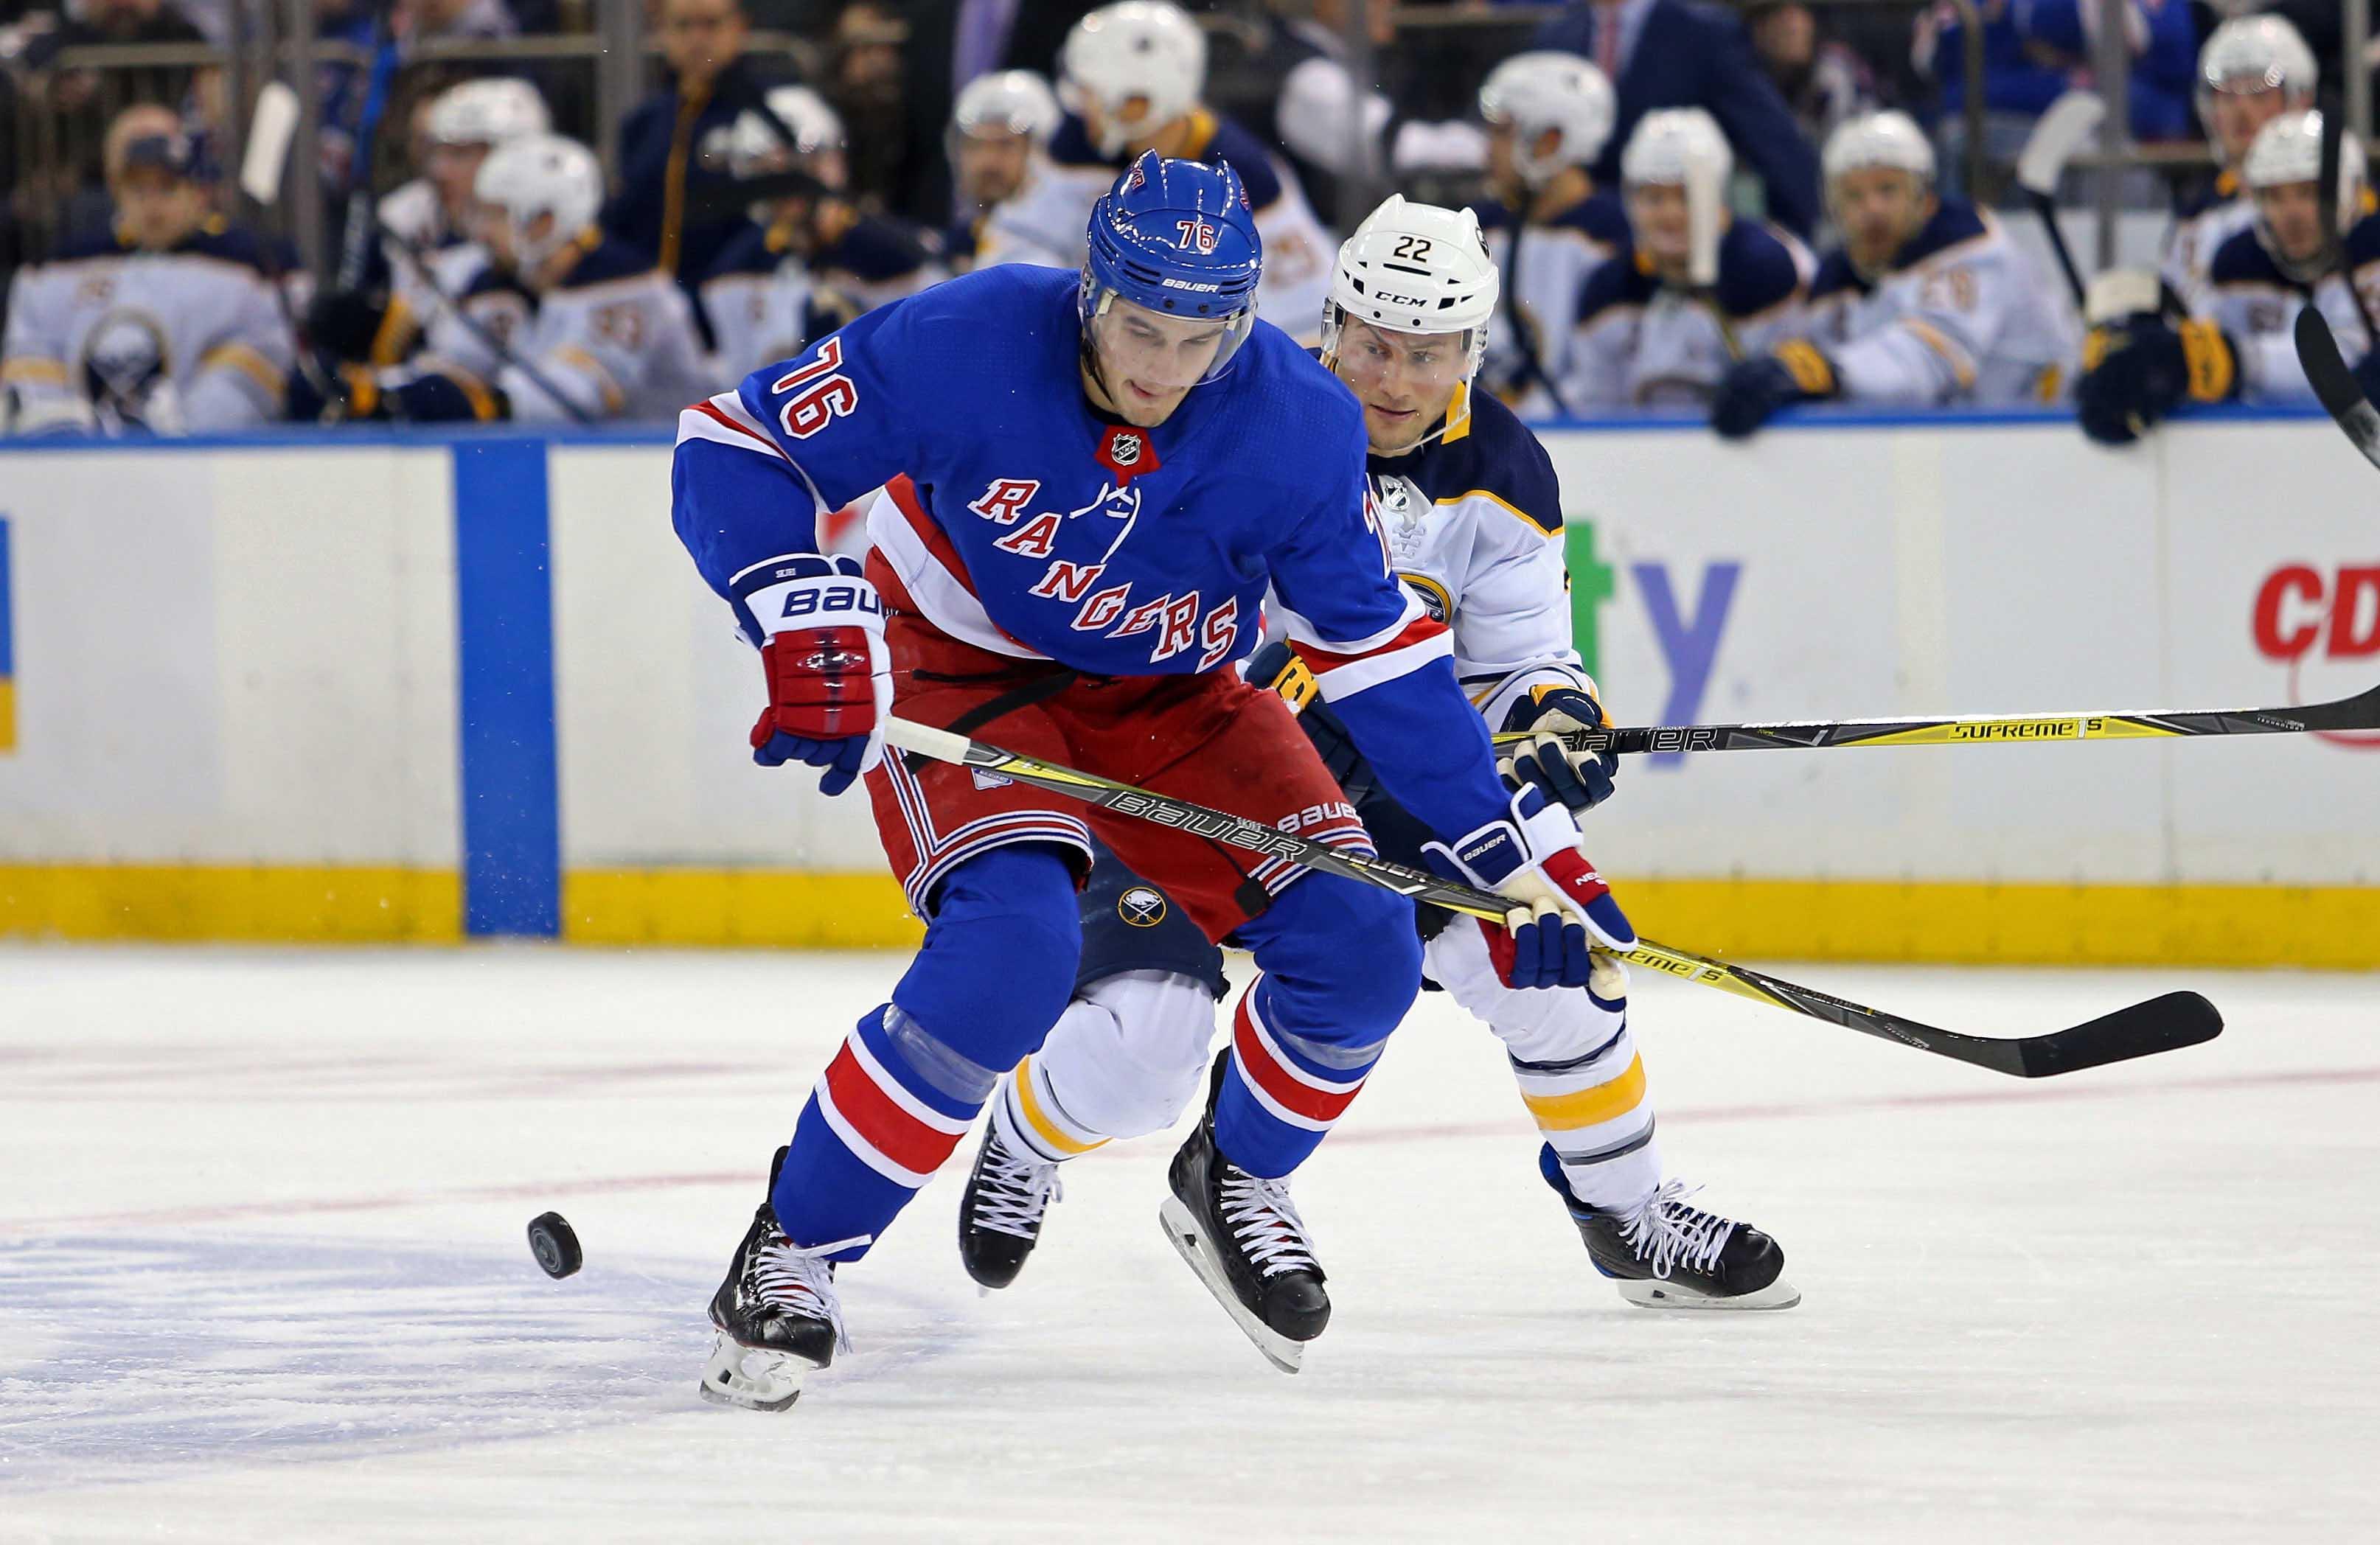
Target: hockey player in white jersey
1130 77
998 142
1927 304
607 333
810 260
432 214
1549 226
166 323
1472 516
2141 366
2252 69
1648 335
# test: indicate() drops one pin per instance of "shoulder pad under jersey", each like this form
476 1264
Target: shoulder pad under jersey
1618 280
2362 243
2241 260
1951 225
1071 145
875 250
231 243
1837 276
1495 455
748 251
606 261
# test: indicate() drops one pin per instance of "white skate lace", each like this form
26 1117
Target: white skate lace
1014 1192
799 1281
1666 1231
1266 1224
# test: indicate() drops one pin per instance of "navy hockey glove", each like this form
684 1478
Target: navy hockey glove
1562 910
1579 779
821 627
1753 390
2138 370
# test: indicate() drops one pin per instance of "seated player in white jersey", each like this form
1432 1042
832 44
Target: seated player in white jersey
1648 335
599 327
1473 521
2252 69
1927 304
431 215
1130 77
998 143
2142 366
166 323
810 260
1548 228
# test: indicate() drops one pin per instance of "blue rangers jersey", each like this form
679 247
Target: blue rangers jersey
1032 527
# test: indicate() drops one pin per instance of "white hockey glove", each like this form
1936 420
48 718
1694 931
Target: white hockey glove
1562 910
820 627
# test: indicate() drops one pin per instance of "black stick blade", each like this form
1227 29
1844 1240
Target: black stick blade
2334 384
2162 1025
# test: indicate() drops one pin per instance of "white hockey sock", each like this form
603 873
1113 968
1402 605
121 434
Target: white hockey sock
1031 1120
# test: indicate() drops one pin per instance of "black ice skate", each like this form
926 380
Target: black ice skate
1242 1236
999 1214
777 1315
1665 1254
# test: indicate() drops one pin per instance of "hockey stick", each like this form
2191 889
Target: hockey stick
2160 1024
413 254
2341 396
2360 712
2070 121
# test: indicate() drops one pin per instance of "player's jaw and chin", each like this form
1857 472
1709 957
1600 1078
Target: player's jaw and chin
1140 364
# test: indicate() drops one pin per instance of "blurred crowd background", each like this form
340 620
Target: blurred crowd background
589 208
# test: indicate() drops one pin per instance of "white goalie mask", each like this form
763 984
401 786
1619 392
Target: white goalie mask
540 176
1530 93
2287 151
1143 49
1415 269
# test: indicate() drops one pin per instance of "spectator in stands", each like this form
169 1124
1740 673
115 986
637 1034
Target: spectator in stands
1665 54
810 261
950 43
1820 77
865 86
603 335
1649 334
87 22
169 323
2034 53
1927 302
427 20
676 202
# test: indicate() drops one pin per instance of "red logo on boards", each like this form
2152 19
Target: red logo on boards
1126 453
2301 613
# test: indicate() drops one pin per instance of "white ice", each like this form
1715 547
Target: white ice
263 1278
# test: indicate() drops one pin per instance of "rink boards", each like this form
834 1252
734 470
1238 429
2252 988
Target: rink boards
425 687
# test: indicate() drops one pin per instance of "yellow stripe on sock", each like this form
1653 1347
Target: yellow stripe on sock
1589 1107
1043 1127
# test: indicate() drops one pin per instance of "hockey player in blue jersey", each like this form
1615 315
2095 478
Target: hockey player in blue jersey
1096 480
1474 520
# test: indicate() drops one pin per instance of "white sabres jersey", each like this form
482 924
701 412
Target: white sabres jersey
1962 316
765 302
1642 343
1018 228
2198 234
205 314
1047 221
2256 306
616 337
1546 265
1474 526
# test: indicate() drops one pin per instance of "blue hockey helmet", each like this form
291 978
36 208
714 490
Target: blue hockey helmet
1177 237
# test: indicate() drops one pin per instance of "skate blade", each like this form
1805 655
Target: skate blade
1183 1230
753 1378
1653 1293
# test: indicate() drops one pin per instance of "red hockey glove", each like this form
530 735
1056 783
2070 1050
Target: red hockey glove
1561 910
829 678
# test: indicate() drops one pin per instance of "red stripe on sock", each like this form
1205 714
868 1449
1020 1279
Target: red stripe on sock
891 1130
1260 1067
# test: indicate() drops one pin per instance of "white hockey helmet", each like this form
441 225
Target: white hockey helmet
1532 92
2256 54
756 144
1669 142
1888 138
1147 49
493 112
537 175
1414 268
1017 102
2289 149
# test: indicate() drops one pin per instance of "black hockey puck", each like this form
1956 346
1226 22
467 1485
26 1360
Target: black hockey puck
554 1245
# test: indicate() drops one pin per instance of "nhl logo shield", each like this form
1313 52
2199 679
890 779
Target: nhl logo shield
1142 906
1126 453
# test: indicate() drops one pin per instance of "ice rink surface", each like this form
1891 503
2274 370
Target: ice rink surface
263 1278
